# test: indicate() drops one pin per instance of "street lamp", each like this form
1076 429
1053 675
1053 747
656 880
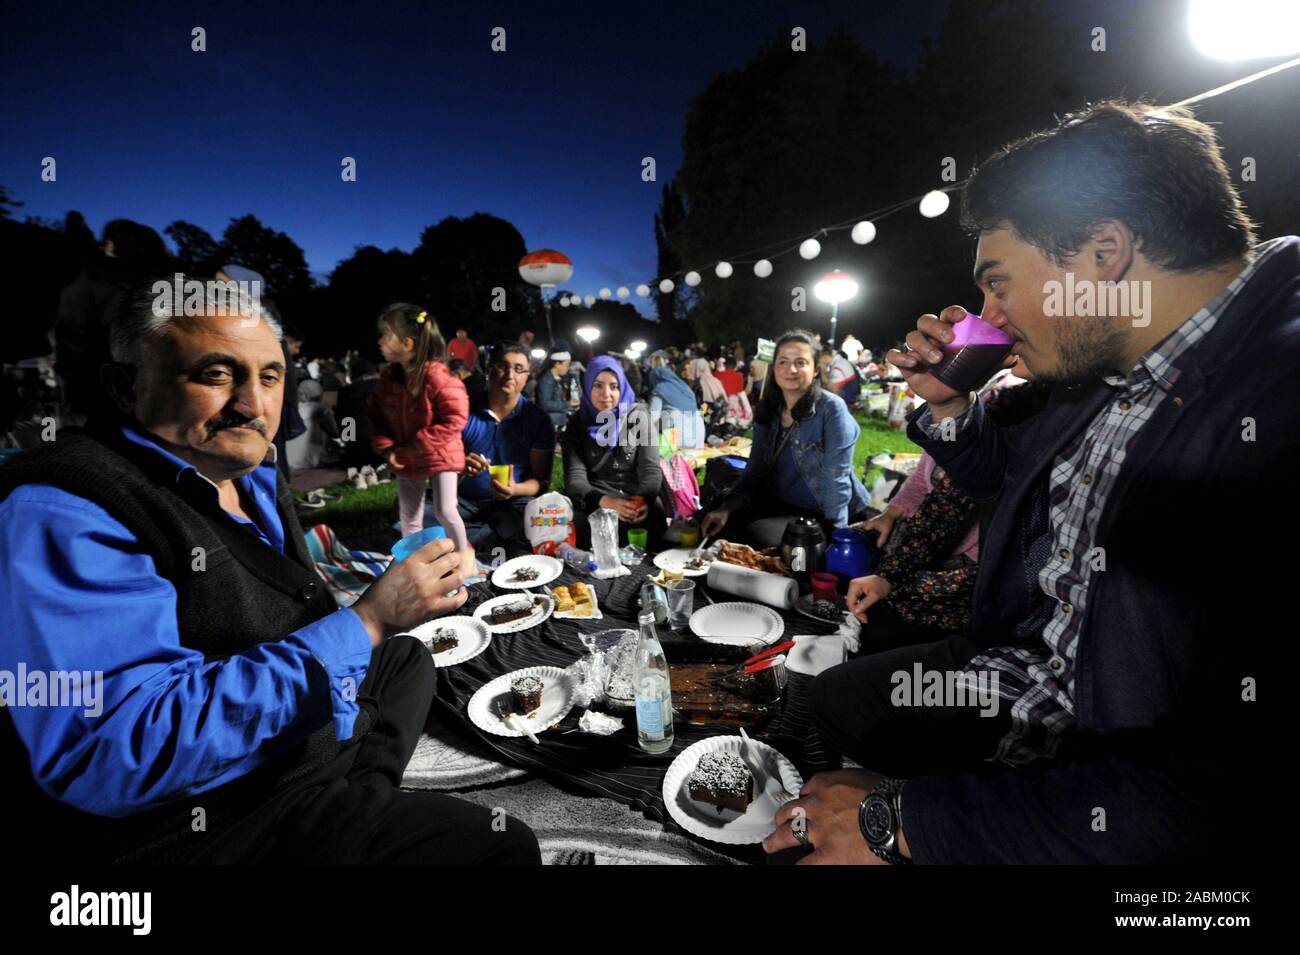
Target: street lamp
638 345
835 287
588 333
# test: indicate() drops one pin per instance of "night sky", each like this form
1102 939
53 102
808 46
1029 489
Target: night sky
549 135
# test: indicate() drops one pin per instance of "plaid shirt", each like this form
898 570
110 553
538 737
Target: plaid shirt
1039 681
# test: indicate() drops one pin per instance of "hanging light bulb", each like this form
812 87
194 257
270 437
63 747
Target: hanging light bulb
666 286
934 203
643 290
622 291
762 268
863 232
692 279
723 270
810 248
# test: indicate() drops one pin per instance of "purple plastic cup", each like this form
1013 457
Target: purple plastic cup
974 354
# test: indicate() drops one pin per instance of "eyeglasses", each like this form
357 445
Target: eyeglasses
506 368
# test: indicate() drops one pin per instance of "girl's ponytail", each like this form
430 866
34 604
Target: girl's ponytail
411 321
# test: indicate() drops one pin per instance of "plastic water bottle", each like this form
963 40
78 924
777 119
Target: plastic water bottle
653 688
580 560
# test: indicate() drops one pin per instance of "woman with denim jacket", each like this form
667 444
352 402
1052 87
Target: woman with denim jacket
801 464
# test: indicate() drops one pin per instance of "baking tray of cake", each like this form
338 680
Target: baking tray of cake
710 689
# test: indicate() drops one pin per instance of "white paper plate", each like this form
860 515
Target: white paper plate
737 623
473 634
675 560
557 700
523 623
548 568
729 828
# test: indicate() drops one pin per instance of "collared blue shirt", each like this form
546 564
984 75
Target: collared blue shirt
510 441
78 594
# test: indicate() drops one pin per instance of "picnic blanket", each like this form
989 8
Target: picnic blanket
346 572
737 446
615 767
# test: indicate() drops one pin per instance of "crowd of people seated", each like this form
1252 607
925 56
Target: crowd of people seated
1054 542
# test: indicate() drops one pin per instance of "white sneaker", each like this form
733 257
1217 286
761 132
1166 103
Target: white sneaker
359 481
371 477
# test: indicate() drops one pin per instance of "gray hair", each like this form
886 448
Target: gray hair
147 315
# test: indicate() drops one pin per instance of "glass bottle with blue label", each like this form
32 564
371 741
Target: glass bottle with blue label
654 695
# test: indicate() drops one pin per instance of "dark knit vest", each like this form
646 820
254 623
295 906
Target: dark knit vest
244 593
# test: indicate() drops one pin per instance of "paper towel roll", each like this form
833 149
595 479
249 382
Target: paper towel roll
775 591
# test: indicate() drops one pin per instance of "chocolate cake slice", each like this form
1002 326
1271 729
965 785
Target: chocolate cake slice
722 781
444 639
516 610
526 694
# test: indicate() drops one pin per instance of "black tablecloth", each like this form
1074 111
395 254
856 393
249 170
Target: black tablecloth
615 766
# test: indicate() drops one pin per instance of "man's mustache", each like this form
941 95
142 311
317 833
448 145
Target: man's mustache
235 421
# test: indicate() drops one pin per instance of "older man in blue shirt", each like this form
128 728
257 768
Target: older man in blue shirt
243 716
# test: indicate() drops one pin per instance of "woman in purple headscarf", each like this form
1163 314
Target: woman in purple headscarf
611 455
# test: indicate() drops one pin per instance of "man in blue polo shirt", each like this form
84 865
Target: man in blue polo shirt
505 428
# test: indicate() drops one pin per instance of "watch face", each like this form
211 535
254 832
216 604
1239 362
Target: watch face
878 819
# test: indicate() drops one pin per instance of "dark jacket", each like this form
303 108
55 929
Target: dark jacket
81 326
591 472
553 398
352 405
1169 743
247 593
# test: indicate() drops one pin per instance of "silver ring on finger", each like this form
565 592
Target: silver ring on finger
800 830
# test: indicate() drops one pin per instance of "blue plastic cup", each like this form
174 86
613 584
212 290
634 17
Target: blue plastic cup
408 545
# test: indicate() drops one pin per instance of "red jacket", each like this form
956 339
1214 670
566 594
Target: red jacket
427 430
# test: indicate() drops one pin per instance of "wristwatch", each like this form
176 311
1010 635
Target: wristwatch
880 816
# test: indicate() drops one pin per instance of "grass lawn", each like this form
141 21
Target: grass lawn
364 511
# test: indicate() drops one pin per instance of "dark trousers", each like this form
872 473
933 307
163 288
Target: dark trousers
352 811
761 523
852 706
655 523
491 524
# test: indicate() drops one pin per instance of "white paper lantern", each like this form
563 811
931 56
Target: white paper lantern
622 292
863 232
605 293
590 300
762 268
666 286
810 248
934 203
723 270
643 290
692 279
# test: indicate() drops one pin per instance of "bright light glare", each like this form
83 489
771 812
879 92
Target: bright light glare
1244 29
835 288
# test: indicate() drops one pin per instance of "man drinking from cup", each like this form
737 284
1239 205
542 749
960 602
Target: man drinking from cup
1125 636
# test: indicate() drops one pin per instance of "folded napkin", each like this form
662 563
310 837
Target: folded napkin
812 653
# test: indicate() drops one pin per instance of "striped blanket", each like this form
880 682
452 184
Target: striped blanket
346 572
